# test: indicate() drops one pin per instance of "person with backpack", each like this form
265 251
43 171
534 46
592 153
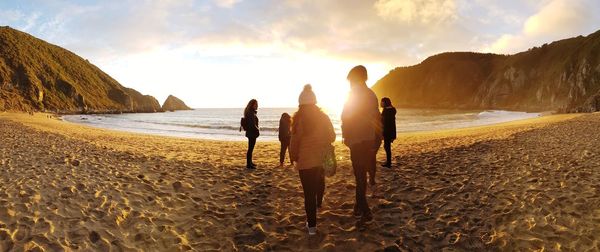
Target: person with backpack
388 120
250 124
284 135
312 135
361 132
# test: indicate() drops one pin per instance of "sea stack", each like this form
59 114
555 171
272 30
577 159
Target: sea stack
173 103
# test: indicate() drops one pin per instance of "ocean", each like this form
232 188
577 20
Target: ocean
224 124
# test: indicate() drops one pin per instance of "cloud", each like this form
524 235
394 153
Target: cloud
346 29
554 20
411 11
9 16
20 20
217 37
394 32
350 29
227 3
559 16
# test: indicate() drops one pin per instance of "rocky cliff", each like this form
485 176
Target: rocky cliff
36 75
561 76
173 103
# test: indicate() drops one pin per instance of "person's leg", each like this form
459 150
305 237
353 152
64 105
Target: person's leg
356 171
370 155
307 178
359 156
251 144
288 150
387 145
320 186
282 152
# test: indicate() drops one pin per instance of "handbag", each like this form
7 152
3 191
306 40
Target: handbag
329 161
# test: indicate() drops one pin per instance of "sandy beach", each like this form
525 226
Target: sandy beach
524 185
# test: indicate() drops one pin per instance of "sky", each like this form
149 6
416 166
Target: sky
221 53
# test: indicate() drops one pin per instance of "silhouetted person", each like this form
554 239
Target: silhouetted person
284 135
312 135
388 120
252 130
361 130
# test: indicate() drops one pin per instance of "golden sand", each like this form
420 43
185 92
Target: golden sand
525 185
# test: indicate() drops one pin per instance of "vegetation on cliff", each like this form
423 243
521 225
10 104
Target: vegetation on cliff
36 75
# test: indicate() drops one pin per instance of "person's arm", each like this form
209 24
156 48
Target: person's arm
343 121
346 115
376 120
330 131
295 143
256 123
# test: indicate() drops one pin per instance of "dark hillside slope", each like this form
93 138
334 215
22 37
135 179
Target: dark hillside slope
36 75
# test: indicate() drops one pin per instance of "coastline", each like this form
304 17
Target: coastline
204 124
485 187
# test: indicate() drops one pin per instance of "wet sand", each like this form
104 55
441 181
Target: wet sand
526 185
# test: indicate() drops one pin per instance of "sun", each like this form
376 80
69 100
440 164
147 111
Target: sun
333 102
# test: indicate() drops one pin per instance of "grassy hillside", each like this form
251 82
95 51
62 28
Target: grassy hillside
562 76
36 75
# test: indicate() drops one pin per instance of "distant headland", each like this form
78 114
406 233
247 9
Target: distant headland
38 76
562 76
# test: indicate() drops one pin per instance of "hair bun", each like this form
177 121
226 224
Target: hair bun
307 87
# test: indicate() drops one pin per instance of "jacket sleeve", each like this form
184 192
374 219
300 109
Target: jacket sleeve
376 120
330 131
346 120
295 143
256 123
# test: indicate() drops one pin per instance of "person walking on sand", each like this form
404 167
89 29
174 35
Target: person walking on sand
284 136
312 135
361 132
250 125
388 120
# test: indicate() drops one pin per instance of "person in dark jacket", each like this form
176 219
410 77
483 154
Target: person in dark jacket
361 132
252 130
388 120
284 135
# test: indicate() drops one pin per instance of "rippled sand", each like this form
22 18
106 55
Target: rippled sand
527 185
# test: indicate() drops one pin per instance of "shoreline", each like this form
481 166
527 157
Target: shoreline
267 137
71 186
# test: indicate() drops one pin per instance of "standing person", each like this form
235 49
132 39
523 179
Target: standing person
284 136
388 120
312 135
250 124
361 132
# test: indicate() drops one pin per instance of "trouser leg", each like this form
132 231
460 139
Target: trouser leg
308 180
387 145
251 144
359 157
320 186
371 162
284 147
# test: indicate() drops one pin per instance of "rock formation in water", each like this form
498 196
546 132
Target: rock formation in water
561 76
36 75
173 103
